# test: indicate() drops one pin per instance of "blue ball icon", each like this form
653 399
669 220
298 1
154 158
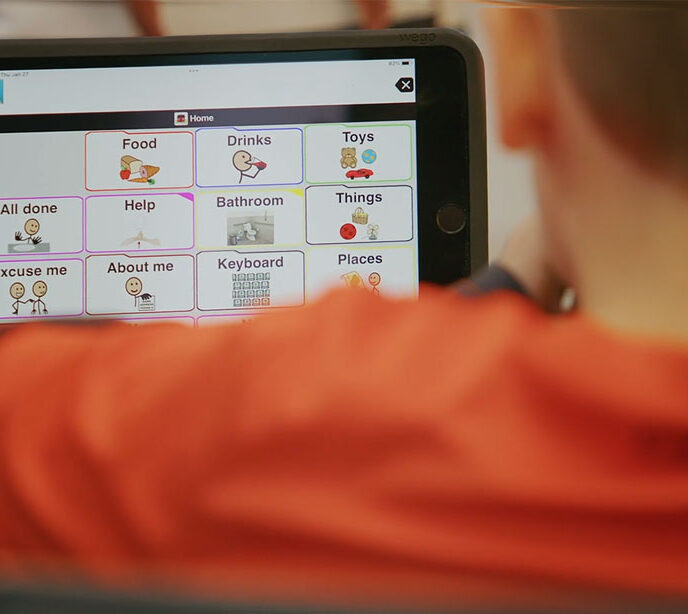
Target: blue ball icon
369 156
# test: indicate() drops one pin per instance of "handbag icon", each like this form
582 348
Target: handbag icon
359 216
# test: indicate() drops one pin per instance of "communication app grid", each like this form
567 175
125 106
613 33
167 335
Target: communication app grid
206 215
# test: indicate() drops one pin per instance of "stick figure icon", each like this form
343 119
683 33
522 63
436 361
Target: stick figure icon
39 289
31 228
17 290
374 280
134 287
244 162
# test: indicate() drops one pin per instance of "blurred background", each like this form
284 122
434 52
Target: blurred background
511 191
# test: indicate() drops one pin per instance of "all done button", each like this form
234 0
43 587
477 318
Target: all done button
41 226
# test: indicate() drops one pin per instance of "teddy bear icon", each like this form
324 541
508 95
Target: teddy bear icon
349 159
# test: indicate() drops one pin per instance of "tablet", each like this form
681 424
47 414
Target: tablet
204 179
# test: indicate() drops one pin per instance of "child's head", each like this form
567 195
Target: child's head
626 64
630 68
598 96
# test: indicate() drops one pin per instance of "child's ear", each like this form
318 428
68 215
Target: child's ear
522 47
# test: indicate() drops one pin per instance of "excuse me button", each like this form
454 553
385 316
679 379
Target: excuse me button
229 280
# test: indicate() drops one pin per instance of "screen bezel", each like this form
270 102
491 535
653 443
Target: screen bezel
450 110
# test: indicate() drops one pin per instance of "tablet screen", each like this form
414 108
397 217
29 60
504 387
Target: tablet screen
205 189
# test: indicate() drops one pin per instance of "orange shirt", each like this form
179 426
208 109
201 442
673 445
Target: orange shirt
355 446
